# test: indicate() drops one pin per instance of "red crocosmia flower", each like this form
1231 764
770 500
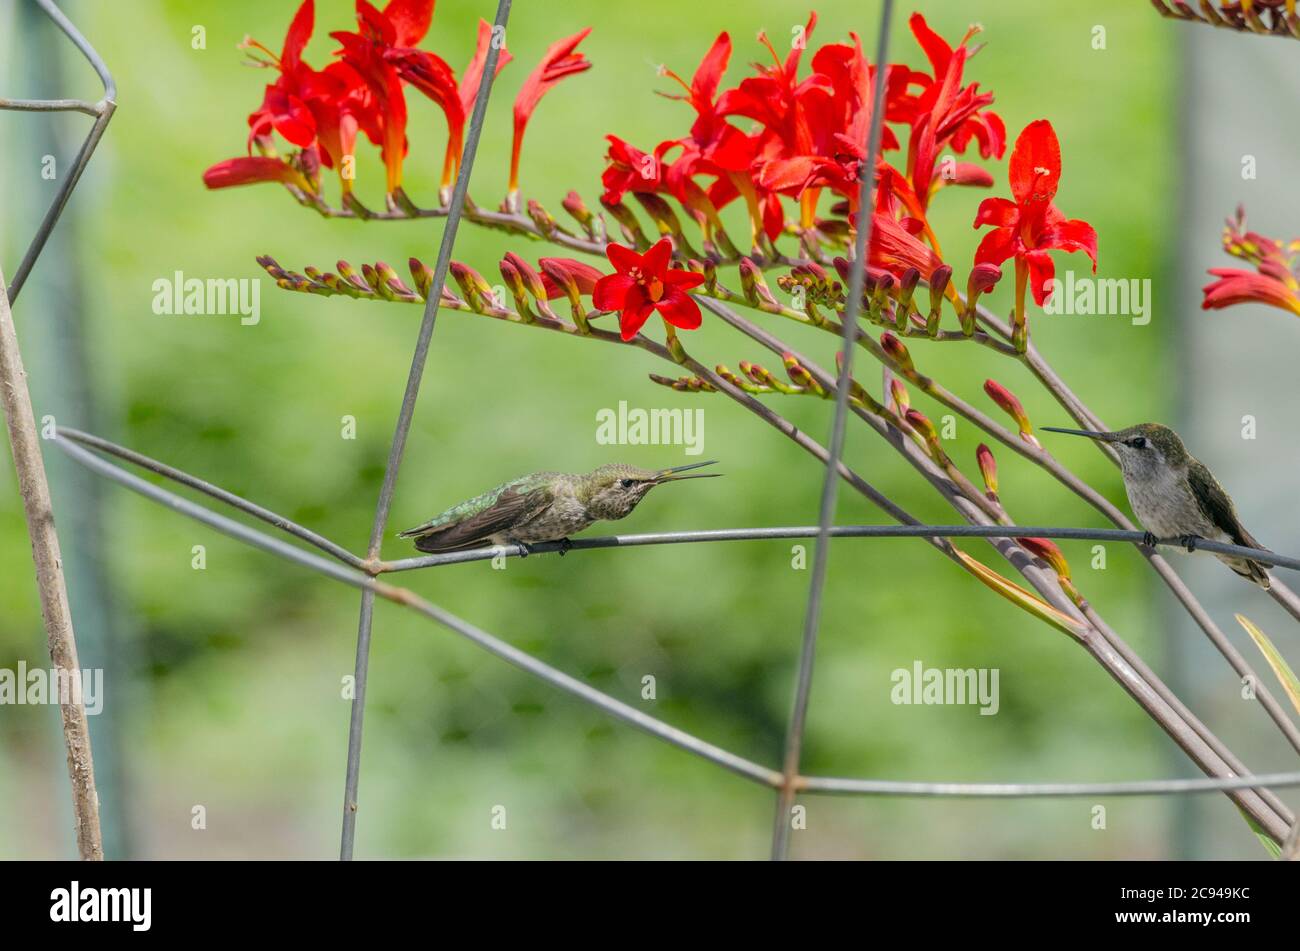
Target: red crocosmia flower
946 114
1277 287
1029 226
283 108
631 170
560 60
644 283
251 169
401 25
431 75
1277 282
317 111
895 248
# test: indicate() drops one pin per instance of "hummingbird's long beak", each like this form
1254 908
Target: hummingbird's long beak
670 475
1104 437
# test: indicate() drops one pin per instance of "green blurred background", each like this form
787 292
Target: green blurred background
225 683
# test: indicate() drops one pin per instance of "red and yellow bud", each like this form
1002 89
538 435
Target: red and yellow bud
897 352
988 470
983 278
902 399
1050 552
939 286
578 210
1010 405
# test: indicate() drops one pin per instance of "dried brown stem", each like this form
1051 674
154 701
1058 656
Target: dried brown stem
24 442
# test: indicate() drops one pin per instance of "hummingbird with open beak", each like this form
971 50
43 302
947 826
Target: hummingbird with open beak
1174 495
544 507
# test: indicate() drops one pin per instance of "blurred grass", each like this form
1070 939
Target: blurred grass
241 663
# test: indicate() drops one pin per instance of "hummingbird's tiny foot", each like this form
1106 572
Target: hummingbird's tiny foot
524 550
1189 541
1149 540
565 545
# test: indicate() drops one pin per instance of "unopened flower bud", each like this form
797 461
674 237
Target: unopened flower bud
988 469
897 352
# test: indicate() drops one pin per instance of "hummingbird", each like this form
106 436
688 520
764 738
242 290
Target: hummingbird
544 507
1174 495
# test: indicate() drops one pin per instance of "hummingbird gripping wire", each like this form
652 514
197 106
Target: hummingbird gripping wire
1174 495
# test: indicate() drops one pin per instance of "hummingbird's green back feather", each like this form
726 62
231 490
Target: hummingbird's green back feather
475 520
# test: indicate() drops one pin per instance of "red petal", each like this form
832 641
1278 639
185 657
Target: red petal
559 61
936 48
773 217
997 211
636 312
998 245
655 261
1041 273
1236 286
895 249
297 36
679 309
1073 235
1035 167
394 147
473 75
684 280
410 20
623 258
704 84
611 291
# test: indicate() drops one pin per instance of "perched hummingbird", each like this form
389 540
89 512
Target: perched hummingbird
1174 495
544 507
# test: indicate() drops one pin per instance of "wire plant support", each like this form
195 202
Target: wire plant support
28 463
317 553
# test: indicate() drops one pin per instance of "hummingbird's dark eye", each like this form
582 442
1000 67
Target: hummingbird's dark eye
628 483
1138 442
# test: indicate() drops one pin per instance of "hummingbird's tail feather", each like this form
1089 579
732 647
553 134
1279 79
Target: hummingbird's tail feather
432 545
1252 571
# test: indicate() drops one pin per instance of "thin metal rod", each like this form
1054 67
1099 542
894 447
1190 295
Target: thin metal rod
269 543
216 492
51 105
103 111
29 463
618 709
835 531
1150 787
82 44
830 484
403 428
656 538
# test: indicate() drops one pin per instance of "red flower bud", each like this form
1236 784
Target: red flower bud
897 352
1007 401
1047 550
532 280
938 285
902 399
982 279
988 469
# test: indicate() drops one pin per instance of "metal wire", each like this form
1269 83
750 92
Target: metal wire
361 573
655 538
831 481
397 449
102 111
680 738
